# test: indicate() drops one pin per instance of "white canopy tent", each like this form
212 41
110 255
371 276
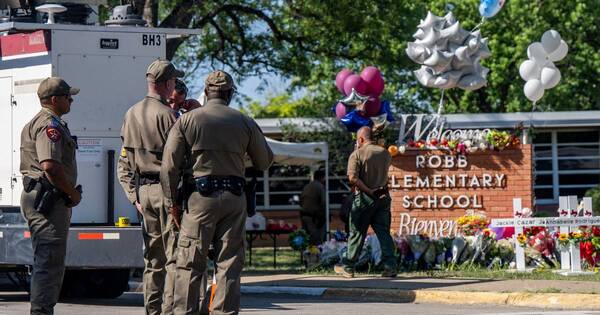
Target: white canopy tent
307 153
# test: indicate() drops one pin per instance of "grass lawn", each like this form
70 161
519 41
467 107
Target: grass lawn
288 261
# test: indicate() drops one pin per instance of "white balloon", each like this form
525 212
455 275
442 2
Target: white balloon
560 52
534 90
550 77
417 53
536 51
529 70
550 41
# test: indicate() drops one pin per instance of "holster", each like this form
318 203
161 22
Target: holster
184 191
46 194
250 192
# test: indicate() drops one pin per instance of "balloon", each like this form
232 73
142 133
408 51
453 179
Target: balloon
536 52
354 99
560 52
340 110
489 8
529 70
340 78
533 90
550 77
372 107
354 121
372 76
417 52
448 54
550 41
354 81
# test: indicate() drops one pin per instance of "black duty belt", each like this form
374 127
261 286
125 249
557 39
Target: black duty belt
209 184
148 179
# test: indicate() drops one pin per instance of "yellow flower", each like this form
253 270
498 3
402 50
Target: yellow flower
313 250
522 239
563 237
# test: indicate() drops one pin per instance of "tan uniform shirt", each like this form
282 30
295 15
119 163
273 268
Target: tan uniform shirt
370 163
312 198
144 132
47 137
215 138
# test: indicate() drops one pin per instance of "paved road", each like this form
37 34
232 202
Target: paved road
15 303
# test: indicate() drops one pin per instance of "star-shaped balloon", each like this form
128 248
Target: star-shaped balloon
354 99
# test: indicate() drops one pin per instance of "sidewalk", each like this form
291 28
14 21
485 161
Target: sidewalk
552 294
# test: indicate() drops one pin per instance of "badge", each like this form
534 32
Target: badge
53 133
123 152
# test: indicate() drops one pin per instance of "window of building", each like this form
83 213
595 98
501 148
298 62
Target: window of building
566 163
280 187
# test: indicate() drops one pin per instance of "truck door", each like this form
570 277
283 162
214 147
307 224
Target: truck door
6 146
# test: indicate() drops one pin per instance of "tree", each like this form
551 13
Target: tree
309 41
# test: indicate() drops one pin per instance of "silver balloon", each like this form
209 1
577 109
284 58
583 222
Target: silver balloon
354 99
448 54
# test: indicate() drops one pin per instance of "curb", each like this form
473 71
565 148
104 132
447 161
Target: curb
567 301
570 301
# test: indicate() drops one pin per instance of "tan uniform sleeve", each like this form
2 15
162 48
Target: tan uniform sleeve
126 174
165 123
353 164
49 143
259 151
172 163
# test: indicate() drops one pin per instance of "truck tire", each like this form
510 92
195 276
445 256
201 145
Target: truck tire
101 283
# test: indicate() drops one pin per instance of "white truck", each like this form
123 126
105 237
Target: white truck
108 64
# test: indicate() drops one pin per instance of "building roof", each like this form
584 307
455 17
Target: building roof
567 119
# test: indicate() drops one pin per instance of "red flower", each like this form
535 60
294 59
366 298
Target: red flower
587 252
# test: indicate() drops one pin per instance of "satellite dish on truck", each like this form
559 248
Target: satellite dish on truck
123 15
51 9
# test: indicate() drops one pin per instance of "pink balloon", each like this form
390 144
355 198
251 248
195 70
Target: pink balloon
375 84
354 81
372 107
340 78
340 110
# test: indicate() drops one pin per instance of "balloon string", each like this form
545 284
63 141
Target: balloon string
478 25
531 115
441 106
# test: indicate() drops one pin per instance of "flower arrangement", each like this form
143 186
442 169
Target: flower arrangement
470 224
493 140
298 239
563 240
522 239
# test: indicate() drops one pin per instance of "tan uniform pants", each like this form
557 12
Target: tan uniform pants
49 233
219 218
160 242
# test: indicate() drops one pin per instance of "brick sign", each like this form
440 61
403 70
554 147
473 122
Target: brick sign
430 189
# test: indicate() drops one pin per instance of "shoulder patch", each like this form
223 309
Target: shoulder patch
123 152
53 133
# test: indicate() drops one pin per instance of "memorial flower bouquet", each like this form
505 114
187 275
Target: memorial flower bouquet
563 240
299 239
522 239
470 224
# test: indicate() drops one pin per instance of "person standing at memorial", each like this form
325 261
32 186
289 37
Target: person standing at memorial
312 214
367 171
144 133
214 139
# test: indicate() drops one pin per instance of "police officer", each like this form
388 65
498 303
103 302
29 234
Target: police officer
49 176
312 214
215 139
368 169
144 133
